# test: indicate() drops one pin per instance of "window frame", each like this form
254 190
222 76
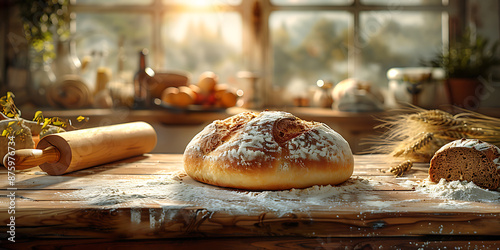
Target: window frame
256 39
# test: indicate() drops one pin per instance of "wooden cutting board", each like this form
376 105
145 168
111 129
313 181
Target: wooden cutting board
150 197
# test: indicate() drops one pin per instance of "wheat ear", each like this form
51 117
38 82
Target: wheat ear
424 139
402 168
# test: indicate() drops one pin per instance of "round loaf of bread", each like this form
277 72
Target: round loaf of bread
467 160
270 150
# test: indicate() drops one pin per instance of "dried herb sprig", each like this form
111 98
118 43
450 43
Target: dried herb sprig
56 121
8 107
39 126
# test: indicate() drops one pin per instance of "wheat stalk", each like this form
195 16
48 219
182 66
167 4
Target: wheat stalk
418 133
420 142
402 168
435 117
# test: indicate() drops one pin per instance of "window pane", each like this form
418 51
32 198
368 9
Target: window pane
198 42
203 2
308 46
115 2
311 2
389 39
115 35
395 3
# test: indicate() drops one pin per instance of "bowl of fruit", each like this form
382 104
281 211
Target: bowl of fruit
206 95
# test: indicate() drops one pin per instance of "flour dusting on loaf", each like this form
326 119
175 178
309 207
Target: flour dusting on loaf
268 151
467 159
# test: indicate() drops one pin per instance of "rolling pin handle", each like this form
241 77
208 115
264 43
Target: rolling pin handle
28 158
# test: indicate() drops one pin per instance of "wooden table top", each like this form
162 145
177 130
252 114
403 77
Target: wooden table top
148 198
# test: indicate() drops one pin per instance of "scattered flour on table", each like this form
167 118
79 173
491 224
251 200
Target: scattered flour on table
453 191
172 188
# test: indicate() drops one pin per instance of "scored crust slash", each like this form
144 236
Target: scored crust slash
271 150
286 129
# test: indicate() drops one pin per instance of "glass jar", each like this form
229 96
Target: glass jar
323 95
419 86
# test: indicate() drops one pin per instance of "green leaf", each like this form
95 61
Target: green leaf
58 122
46 123
5 132
80 118
38 117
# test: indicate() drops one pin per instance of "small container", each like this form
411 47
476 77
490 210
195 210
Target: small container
420 86
252 96
322 96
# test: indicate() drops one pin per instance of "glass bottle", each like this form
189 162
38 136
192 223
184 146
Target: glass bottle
141 82
66 61
42 79
89 72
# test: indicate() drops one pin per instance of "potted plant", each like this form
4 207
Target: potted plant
467 59
43 22
46 26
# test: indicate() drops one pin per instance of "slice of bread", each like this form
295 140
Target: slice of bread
467 160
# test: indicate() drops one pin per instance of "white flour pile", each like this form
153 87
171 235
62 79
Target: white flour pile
455 190
180 190
190 193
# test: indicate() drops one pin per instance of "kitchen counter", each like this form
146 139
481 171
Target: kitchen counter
100 117
178 127
197 117
148 201
175 128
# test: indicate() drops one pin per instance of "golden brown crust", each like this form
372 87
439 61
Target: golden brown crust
268 151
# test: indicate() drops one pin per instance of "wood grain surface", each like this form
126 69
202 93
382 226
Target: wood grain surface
47 211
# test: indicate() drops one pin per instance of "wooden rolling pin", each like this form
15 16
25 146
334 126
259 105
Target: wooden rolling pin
66 152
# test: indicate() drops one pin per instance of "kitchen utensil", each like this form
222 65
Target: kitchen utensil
66 152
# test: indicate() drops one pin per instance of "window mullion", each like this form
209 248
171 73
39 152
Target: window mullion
267 62
157 57
353 49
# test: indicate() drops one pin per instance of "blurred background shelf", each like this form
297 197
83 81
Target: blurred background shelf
175 130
